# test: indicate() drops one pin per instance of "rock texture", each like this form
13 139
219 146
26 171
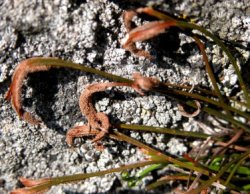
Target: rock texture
89 32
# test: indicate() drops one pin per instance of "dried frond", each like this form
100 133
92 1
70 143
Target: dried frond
79 131
189 115
14 92
127 17
31 182
144 83
142 33
30 185
98 122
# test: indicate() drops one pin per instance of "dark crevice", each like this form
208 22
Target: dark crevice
45 86
75 4
20 39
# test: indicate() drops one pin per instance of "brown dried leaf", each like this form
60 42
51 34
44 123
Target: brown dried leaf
79 131
144 83
29 186
189 115
98 122
142 33
14 92
31 182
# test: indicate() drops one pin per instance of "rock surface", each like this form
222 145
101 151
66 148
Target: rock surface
89 32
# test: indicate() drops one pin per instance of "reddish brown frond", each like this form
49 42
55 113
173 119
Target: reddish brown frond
31 182
14 92
142 33
96 120
30 185
79 131
189 115
144 83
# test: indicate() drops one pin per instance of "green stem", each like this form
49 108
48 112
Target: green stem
121 136
183 177
184 25
204 99
149 169
221 115
234 170
219 174
224 48
61 63
166 180
176 132
55 62
80 177
198 89
210 72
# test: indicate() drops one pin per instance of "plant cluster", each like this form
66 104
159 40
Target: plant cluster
226 168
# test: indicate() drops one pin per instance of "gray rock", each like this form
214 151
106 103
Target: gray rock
89 32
